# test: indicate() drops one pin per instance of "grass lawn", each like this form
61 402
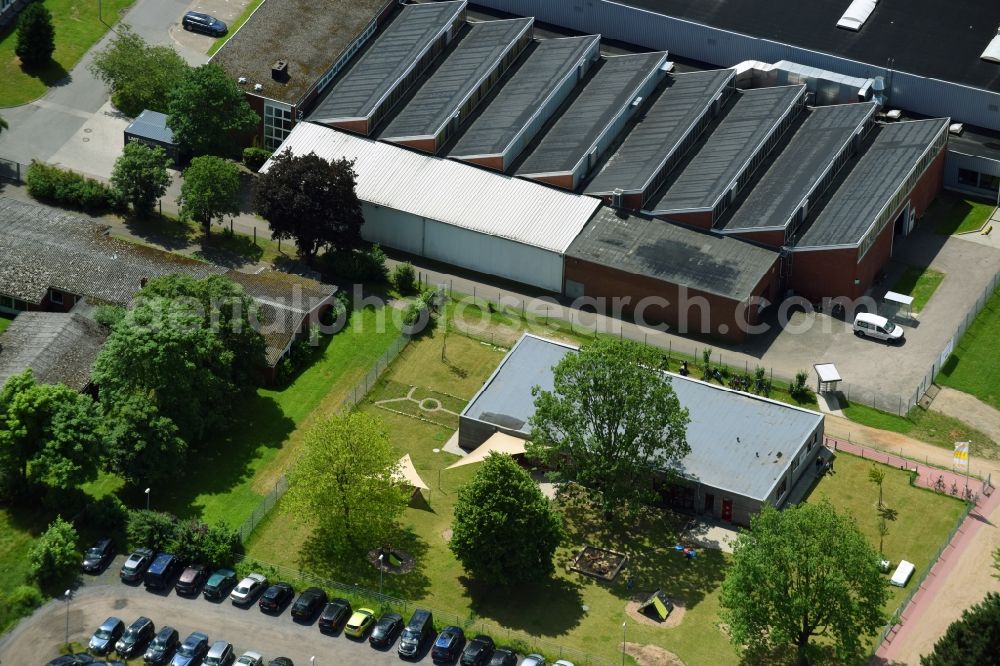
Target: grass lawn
974 366
18 529
234 26
919 283
77 28
5 321
952 213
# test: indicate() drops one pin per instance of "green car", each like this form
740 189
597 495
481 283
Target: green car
219 583
360 622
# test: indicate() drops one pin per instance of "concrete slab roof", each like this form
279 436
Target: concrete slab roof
721 157
664 125
739 442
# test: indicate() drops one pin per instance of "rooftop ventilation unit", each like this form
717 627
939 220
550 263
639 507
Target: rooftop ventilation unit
279 70
637 101
257 87
242 80
878 91
857 14
616 197
992 52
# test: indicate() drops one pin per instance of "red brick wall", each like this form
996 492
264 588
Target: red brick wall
770 238
820 273
356 126
564 181
257 104
702 220
425 145
929 186
494 162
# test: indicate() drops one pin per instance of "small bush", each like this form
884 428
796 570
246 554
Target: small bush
67 188
107 515
212 545
254 157
151 529
404 278
358 265
24 599
54 557
109 315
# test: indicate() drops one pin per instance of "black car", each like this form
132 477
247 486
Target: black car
192 650
478 651
135 638
204 23
280 661
72 660
386 629
503 657
219 584
335 615
276 597
103 640
98 556
162 647
191 580
159 574
310 601
136 564
448 645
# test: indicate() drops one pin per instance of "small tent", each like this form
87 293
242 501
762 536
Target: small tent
657 606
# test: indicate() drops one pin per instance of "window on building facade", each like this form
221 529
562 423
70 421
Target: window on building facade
56 296
277 124
968 177
782 489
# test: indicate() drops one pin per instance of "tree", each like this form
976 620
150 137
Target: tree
141 445
211 545
800 573
48 435
36 38
504 531
974 638
404 278
156 530
311 201
206 110
140 76
211 189
54 557
612 423
346 482
140 175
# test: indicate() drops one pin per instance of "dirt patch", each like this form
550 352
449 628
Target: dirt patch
652 655
674 619
446 535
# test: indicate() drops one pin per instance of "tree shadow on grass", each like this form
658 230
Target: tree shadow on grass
166 232
52 74
228 249
548 607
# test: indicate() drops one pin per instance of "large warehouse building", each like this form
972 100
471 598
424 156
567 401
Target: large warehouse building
745 449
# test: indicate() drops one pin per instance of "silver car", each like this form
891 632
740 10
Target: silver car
533 660
220 654
251 659
244 592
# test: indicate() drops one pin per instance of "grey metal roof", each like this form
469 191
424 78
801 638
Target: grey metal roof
722 156
606 95
151 125
875 178
458 77
498 126
665 251
739 442
665 124
59 348
806 160
391 56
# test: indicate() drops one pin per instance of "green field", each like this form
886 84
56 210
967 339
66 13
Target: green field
952 213
974 366
920 283
77 28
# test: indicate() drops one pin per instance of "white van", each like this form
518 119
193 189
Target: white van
877 327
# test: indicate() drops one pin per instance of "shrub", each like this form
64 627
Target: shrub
151 529
24 599
212 545
799 390
404 278
254 157
415 317
54 557
107 515
67 188
358 265
109 315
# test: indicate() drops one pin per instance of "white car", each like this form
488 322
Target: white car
562 662
533 660
244 593
877 327
250 659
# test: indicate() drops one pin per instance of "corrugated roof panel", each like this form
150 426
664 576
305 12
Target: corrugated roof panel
451 192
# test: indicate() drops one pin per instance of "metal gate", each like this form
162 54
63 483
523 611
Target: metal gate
10 171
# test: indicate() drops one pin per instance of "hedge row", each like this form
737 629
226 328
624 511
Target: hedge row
68 188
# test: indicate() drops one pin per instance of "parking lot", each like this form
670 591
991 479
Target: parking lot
36 639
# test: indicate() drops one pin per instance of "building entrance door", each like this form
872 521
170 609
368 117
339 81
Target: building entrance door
727 510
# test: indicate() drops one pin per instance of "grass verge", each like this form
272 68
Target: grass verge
920 283
974 365
5 321
234 26
77 27
954 214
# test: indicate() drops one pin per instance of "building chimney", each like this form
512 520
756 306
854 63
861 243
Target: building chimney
279 71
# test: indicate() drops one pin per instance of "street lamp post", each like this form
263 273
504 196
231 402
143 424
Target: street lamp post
624 625
147 498
67 595
381 570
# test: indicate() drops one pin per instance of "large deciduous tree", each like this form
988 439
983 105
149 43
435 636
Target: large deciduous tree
141 445
207 110
54 558
974 638
140 175
504 531
802 573
36 37
140 76
346 483
211 189
311 201
612 422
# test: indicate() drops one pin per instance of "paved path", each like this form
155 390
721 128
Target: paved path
969 409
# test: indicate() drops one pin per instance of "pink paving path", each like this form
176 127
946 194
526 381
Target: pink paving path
923 600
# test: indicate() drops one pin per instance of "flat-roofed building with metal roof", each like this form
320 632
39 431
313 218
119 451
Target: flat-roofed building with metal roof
664 133
526 101
821 146
694 281
449 96
745 449
372 85
850 237
574 143
721 165
288 51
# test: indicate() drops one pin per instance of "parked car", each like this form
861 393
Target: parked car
160 572
104 638
80 659
191 651
562 662
276 597
251 659
360 622
879 328
334 615
448 645
220 654
247 589
191 580
417 631
280 661
136 564
386 629
478 651
533 660
98 556
136 637
308 603
219 583
204 23
162 647
503 657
